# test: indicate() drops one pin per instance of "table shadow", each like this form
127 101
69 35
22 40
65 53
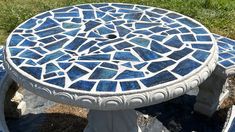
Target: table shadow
177 115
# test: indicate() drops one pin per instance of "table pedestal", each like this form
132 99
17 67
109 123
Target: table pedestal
112 121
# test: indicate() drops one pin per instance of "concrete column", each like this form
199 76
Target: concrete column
112 121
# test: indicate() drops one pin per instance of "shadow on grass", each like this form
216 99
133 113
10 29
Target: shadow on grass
177 115
47 122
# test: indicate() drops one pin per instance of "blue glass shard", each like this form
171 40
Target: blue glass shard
173 15
72 32
123 45
93 35
104 30
107 49
51 68
56 45
174 25
76 72
128 74
160 11
140 41
133 16
47 24
141 65
33 71
127 11
15 39
49 32
158 29
199 31
102 73
65 9
29 24
204 38
109 65
76 20
160 78
158 66
225 55
61 19
27 35
108 8
143 32
173 31
64 14
125 56
15 51
99 5
89 65
17 61
176 55
47 40
167 20
224 45
227 40
57 81
59 36
118 22
151 14
50 56
186 66
145 18
201 55
110 26
188 37
202 46
188 22
64 58
60 73
100 14
146 54
64 65
158 37
18 31
90 25
106 86
129 85
88 15
67 25
184 30
128 64
40 50
83 85
226 63
95 57
155 46
41 16
86 45
108 18
30 54
174 42
49 75
77 42
94 48
30 62
130 35
122 31
142 7
140 25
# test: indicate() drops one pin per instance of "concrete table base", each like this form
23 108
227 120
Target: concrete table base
209 95
112 121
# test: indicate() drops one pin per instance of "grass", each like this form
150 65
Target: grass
217 15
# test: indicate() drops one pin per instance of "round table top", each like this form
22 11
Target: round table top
110 55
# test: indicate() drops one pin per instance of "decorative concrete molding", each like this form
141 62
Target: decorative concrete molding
116 101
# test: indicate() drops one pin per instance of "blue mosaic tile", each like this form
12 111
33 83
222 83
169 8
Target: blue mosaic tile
112 47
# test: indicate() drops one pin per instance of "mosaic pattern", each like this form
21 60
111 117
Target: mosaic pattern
2 69
109 47
226 51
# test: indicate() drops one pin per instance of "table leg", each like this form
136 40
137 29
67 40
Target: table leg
208 97
112 121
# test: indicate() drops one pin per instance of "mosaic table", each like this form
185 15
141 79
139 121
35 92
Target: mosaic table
110 58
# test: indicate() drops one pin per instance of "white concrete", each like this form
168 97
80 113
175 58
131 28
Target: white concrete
112 121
